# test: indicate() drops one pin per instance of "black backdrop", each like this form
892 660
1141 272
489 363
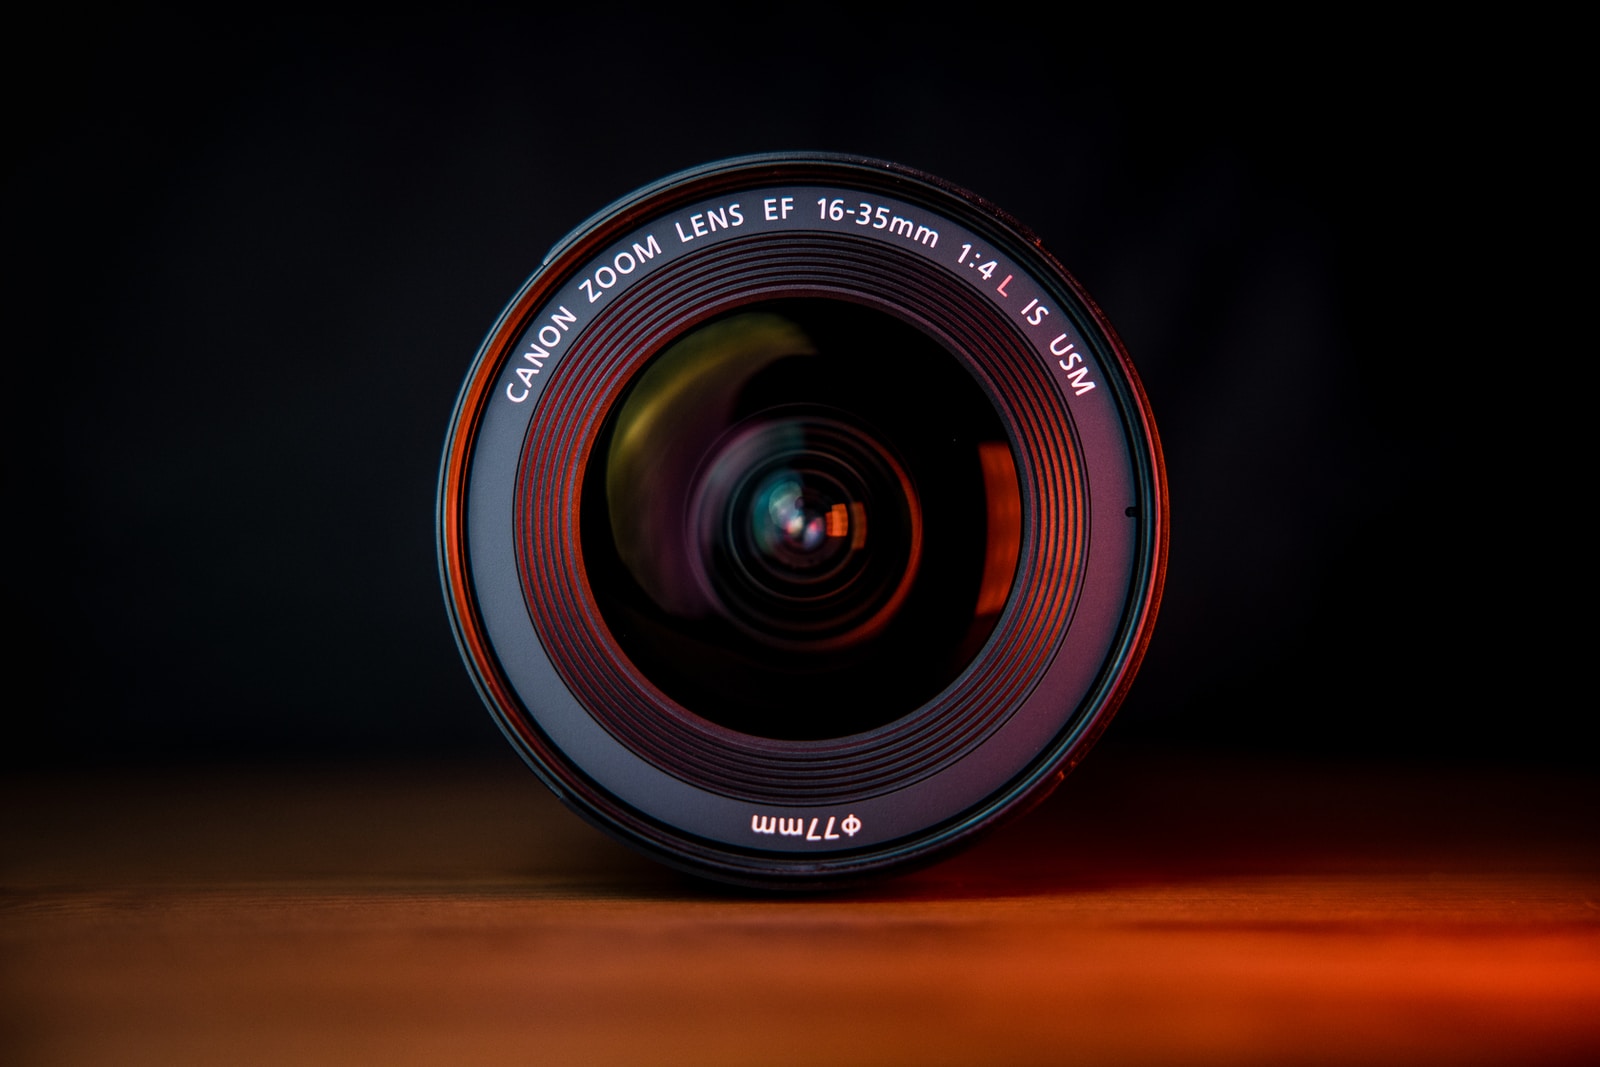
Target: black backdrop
249 258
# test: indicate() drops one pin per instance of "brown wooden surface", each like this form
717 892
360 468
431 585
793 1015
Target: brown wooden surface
1154 911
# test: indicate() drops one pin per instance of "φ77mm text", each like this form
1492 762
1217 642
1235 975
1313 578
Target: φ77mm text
830 831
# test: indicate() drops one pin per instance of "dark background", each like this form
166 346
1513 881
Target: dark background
250 256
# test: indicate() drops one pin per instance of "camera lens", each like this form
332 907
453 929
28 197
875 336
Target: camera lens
801 518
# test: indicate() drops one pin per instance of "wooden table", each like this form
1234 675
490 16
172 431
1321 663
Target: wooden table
1161 910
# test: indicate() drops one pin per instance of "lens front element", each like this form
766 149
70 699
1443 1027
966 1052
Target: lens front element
760 539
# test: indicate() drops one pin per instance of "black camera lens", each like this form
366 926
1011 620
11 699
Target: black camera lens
800 519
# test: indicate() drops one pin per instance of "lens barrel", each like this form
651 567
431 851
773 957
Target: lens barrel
800 519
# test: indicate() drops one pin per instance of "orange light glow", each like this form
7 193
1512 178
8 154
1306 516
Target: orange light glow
858 514
1005 526
838 521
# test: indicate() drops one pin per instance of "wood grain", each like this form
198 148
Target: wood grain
1171 911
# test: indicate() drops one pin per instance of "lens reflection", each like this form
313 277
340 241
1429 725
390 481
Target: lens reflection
791 521
802 520
779 536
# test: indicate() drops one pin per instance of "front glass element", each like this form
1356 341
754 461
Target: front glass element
802 520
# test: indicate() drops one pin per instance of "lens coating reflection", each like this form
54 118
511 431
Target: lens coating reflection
802 520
